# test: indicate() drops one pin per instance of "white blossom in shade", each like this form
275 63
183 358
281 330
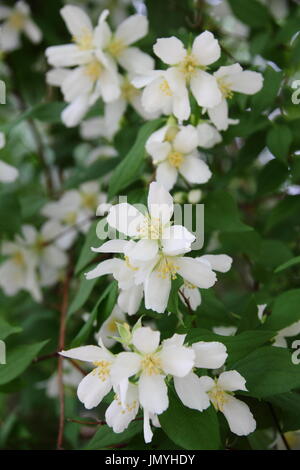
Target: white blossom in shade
119 44
71 377
225 330
208 135
208 355
97 384
230 79
118 416
188 67
95 73
109 327
194 196
153 230
189 292
220 393
288 332
260 311
17 20
8 173
174 150
151 363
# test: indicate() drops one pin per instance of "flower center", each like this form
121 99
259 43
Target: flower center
218 397
165 88
175 159
112 327
18 258
85 40
102 369
93 70
225 88
116 47
167 268
188 66
17 20
70 218
89 200
151 364
128 91
129 265
150 229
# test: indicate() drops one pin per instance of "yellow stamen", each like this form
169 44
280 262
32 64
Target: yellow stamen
102 369
188 66
18 258
225 88
167 268
94 70
70 218
165 88
89 201
151 364
151 229
128 91
17 20
218 397
85 40
175 159
116 47
129 265
128 407
112 327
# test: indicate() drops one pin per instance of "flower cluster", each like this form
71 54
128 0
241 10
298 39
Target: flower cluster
141 375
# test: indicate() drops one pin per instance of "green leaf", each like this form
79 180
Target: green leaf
221 213
105 436
288 264
279 140
10 214
45 112
269 371
18 359
289 404
98 169
285 209
6 329
266 96
285 312
82 294
271 177
83 334
188 428
86 254
252 13
238 346
129 168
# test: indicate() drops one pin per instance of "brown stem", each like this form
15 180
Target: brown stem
187 302
77 366
277 424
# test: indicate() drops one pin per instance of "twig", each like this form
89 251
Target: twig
187 302
77 366
277 424
86 423
43 358
61 344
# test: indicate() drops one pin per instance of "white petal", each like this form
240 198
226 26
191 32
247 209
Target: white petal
158 150
219 115
170 50
146 340
112 246
195 170
76 83
166 175
160 203
126 365
208 136
231 381
157 291
32 31
76 20
55 257
292 330
134 60
132 29
186 139
10 38
176 240
191 393
109 86
86 353
206 48
246 82
153 393
221 263
129 300
92 390
74 113
67 55
55 77
196 273
148 434
8 173
102 33
207 383
209 355
144 250
239 417
125 218
118 417
175 340
205 89
192 295
177 360
105 267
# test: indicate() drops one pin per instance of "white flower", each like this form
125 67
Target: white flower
8 173
208 136
151 363
118 416
118 44
109 327
208 355
71 377
237 413
232 78
17 21
95 385
174 150
153 229
188 68
288 332
225 330
189 292
194 196
95 73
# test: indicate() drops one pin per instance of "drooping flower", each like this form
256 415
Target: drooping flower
17 20
230 79
220 393
95 73
174 150
119 44
97 384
